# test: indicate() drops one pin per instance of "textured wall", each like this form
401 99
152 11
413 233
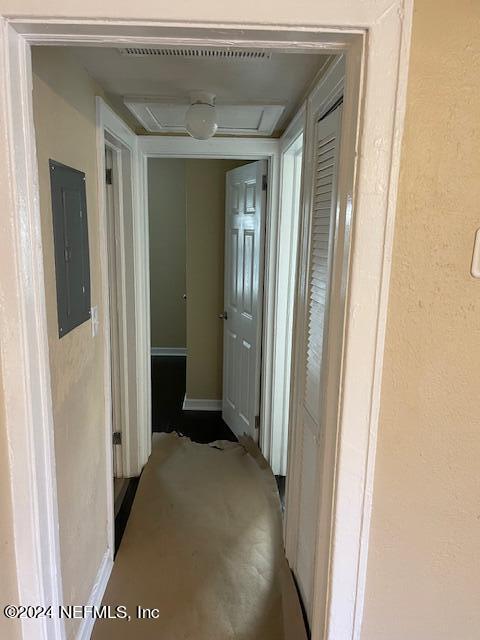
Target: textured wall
64 112
8 589
166 214
424 563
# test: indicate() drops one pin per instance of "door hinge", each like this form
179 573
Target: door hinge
117 437
264 183
108 176
257 422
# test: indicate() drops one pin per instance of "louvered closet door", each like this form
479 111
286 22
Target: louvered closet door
310 398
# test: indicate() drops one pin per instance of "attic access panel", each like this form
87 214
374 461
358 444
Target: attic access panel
70 232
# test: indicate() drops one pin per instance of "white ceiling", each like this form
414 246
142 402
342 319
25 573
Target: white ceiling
283 79
233 120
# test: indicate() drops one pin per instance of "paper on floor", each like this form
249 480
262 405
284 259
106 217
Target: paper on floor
203 545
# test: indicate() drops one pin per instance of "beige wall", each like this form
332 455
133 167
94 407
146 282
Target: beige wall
64 111
8 588
166 211
205 187
424 563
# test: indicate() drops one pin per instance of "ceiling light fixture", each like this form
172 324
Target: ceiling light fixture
201 117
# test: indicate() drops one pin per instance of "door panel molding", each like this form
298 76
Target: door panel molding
245 208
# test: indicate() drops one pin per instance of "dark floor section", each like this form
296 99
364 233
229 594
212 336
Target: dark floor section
124 511
281 480
168 392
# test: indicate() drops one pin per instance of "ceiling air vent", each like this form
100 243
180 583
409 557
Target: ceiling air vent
237 54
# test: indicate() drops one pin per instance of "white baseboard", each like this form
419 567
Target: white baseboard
200 404
169 351
96 595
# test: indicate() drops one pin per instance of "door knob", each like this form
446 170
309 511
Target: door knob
223 316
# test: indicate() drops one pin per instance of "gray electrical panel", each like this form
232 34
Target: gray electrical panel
70 230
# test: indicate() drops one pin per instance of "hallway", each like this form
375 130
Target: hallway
203 545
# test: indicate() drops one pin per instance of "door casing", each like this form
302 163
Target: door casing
274 435
374 110
233 149
112 218
135 371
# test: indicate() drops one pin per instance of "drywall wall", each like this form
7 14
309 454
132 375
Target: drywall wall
423 580
64 114
9 628
205 193
167 237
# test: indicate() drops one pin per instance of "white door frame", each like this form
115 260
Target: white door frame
115 262
135 383
221 148
373 37
274 432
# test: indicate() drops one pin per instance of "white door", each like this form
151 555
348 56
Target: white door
244 239
313 297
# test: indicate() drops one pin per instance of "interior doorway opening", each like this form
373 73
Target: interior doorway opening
202 241
352 104
186 208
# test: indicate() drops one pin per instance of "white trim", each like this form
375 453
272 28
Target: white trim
289 214
114 237
379 116
168 351
271 433
136 428
393 32
105 120
186 147
142 307
96 596
235 148
24 345
294 129
201 404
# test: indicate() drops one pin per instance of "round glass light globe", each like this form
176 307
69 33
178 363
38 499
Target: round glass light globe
201 121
